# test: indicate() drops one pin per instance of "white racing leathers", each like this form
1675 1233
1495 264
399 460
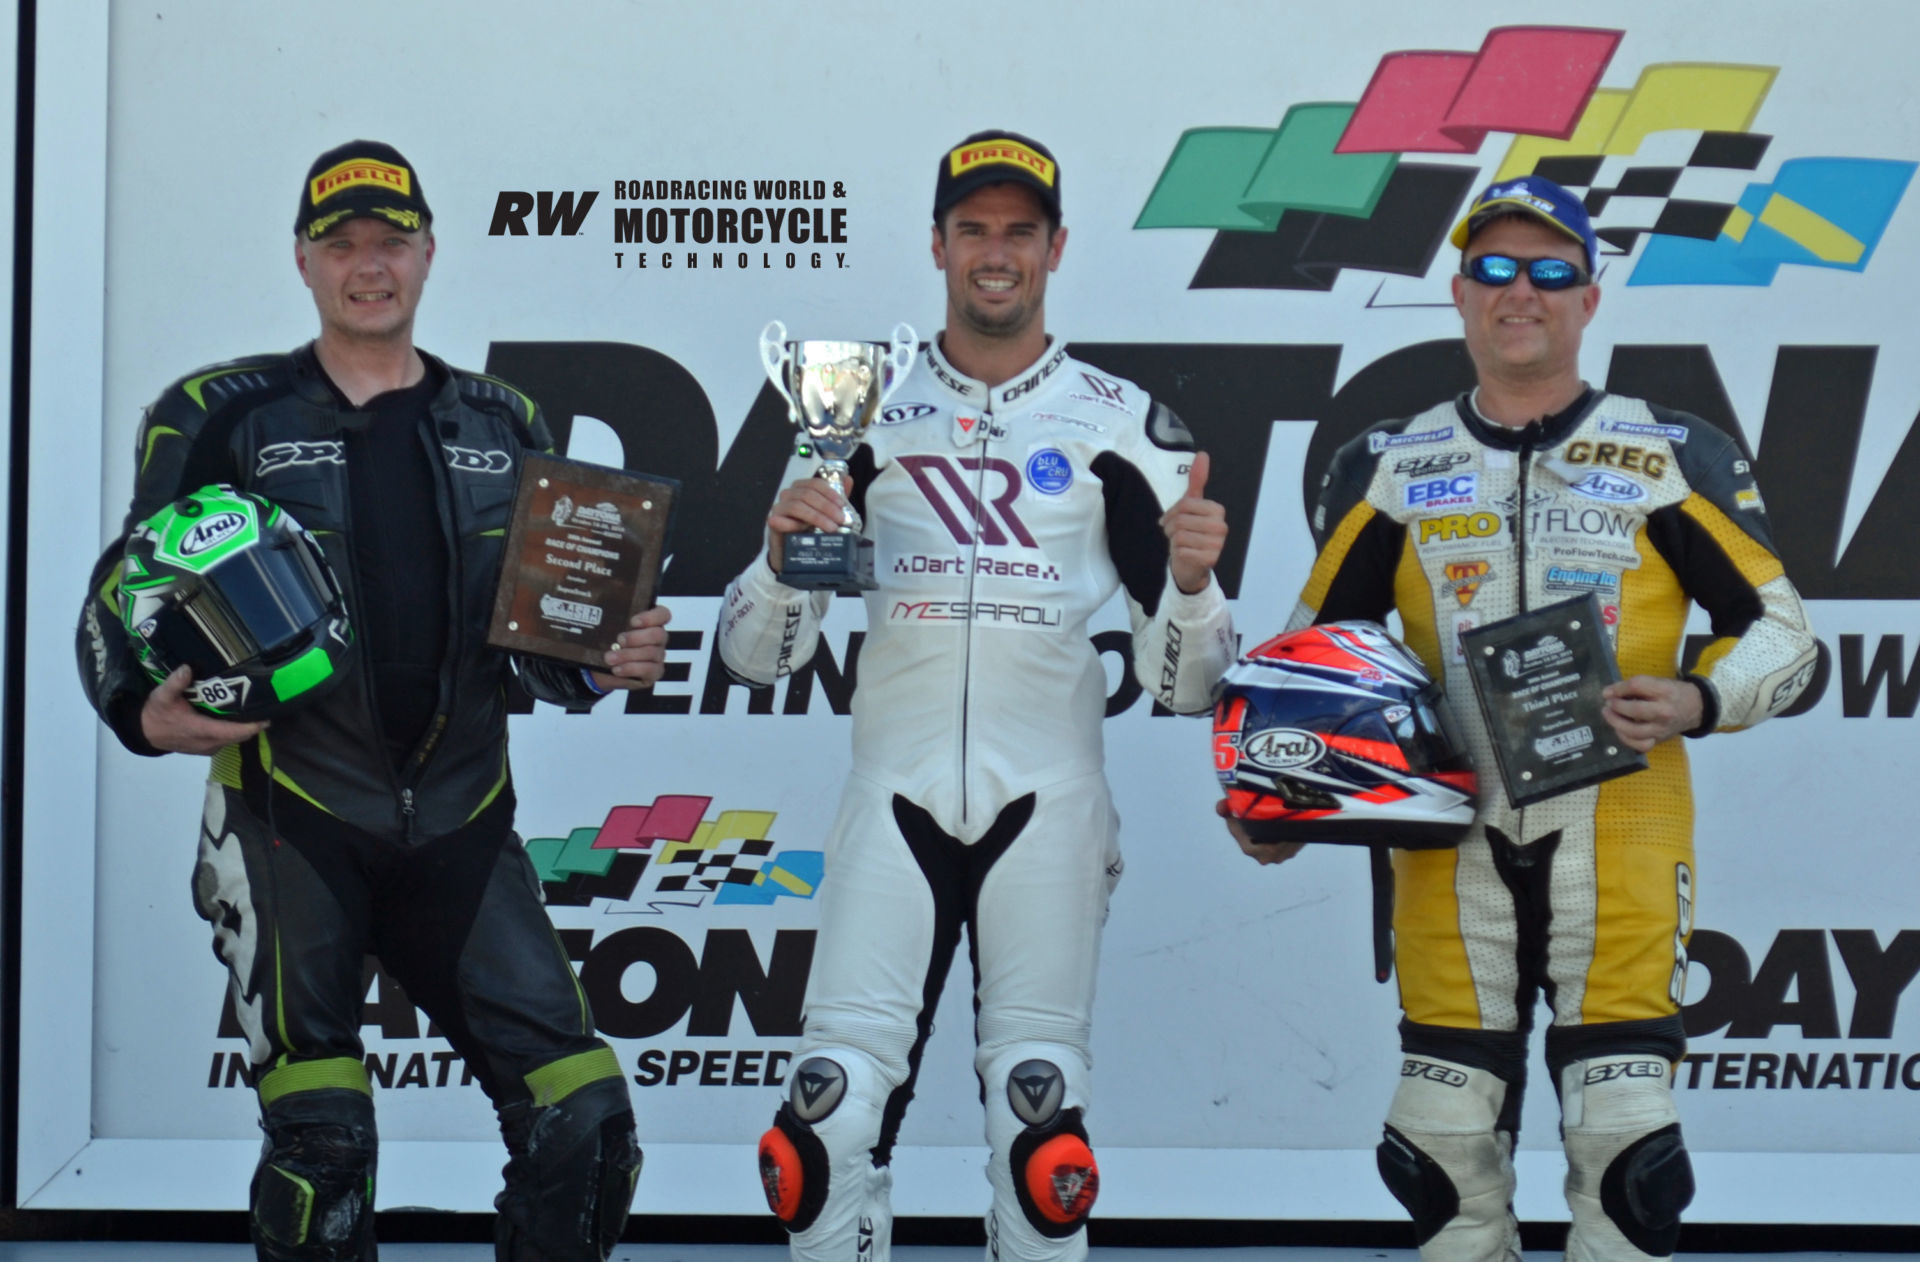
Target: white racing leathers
1002 519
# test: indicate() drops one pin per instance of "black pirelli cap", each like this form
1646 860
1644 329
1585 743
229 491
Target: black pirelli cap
996 157
362 178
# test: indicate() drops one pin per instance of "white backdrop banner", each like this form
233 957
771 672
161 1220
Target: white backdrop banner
1258 197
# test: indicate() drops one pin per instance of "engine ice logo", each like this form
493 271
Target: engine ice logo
1282 748
1682 193
211 533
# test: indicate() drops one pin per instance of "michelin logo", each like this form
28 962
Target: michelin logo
1672 433
1377 443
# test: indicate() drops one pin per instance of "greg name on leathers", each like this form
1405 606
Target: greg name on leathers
1003 518
1587 897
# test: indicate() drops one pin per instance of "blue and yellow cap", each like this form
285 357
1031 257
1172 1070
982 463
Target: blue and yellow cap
1540 198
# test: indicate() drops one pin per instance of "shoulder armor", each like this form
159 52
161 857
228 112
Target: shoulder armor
206 390
1716 465
1166 430
485 391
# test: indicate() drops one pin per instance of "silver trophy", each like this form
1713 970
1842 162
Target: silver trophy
833 391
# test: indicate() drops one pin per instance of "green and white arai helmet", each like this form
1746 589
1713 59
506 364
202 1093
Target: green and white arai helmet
228 584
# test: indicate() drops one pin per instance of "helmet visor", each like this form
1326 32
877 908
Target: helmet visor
257 606
1428 737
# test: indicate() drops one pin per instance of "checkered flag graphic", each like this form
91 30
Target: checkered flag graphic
1680 184
692 870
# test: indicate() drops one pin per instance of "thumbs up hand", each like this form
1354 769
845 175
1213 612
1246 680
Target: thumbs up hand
1196 530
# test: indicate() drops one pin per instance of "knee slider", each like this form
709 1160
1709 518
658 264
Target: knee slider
312 1194
1446 1154
1646 1187
570 1176
1055 1175
794 1166
1418 1183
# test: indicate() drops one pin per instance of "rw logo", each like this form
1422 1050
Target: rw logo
985 506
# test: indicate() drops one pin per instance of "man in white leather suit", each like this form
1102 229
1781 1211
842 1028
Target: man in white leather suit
1009 490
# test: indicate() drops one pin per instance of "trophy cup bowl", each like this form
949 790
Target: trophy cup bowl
834 391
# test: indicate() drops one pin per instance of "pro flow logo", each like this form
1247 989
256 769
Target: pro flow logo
1669 168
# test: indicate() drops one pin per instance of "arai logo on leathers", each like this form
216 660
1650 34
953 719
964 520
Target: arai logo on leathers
1282 748
1605 486
212 532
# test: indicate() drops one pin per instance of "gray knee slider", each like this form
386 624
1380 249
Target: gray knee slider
1646 1187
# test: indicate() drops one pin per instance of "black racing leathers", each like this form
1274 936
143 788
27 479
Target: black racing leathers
316 849
271 425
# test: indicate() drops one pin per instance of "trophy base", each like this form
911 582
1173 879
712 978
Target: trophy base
816 561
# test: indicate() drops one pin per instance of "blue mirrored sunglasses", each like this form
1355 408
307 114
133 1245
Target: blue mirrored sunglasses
1501 269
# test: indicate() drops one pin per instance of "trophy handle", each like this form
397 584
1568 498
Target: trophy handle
899 361
776 354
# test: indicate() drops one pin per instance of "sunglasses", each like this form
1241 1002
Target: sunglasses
1500 269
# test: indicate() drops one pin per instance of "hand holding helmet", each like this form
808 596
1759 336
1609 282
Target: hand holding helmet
234 614
1337 733
172 723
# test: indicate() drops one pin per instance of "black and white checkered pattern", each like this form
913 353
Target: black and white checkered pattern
734 862
1680 183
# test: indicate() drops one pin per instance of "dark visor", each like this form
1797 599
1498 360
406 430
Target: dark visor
258 605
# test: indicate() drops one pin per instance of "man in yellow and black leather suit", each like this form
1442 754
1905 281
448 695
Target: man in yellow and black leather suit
1531 489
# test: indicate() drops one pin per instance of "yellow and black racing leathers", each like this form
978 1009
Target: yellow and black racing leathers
1457 522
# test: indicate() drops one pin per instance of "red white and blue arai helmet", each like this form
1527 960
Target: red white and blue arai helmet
1337 733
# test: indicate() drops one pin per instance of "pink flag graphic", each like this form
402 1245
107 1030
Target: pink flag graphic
672 817
1534 80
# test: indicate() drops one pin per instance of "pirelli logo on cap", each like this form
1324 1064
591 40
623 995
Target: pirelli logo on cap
971 157
358 171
